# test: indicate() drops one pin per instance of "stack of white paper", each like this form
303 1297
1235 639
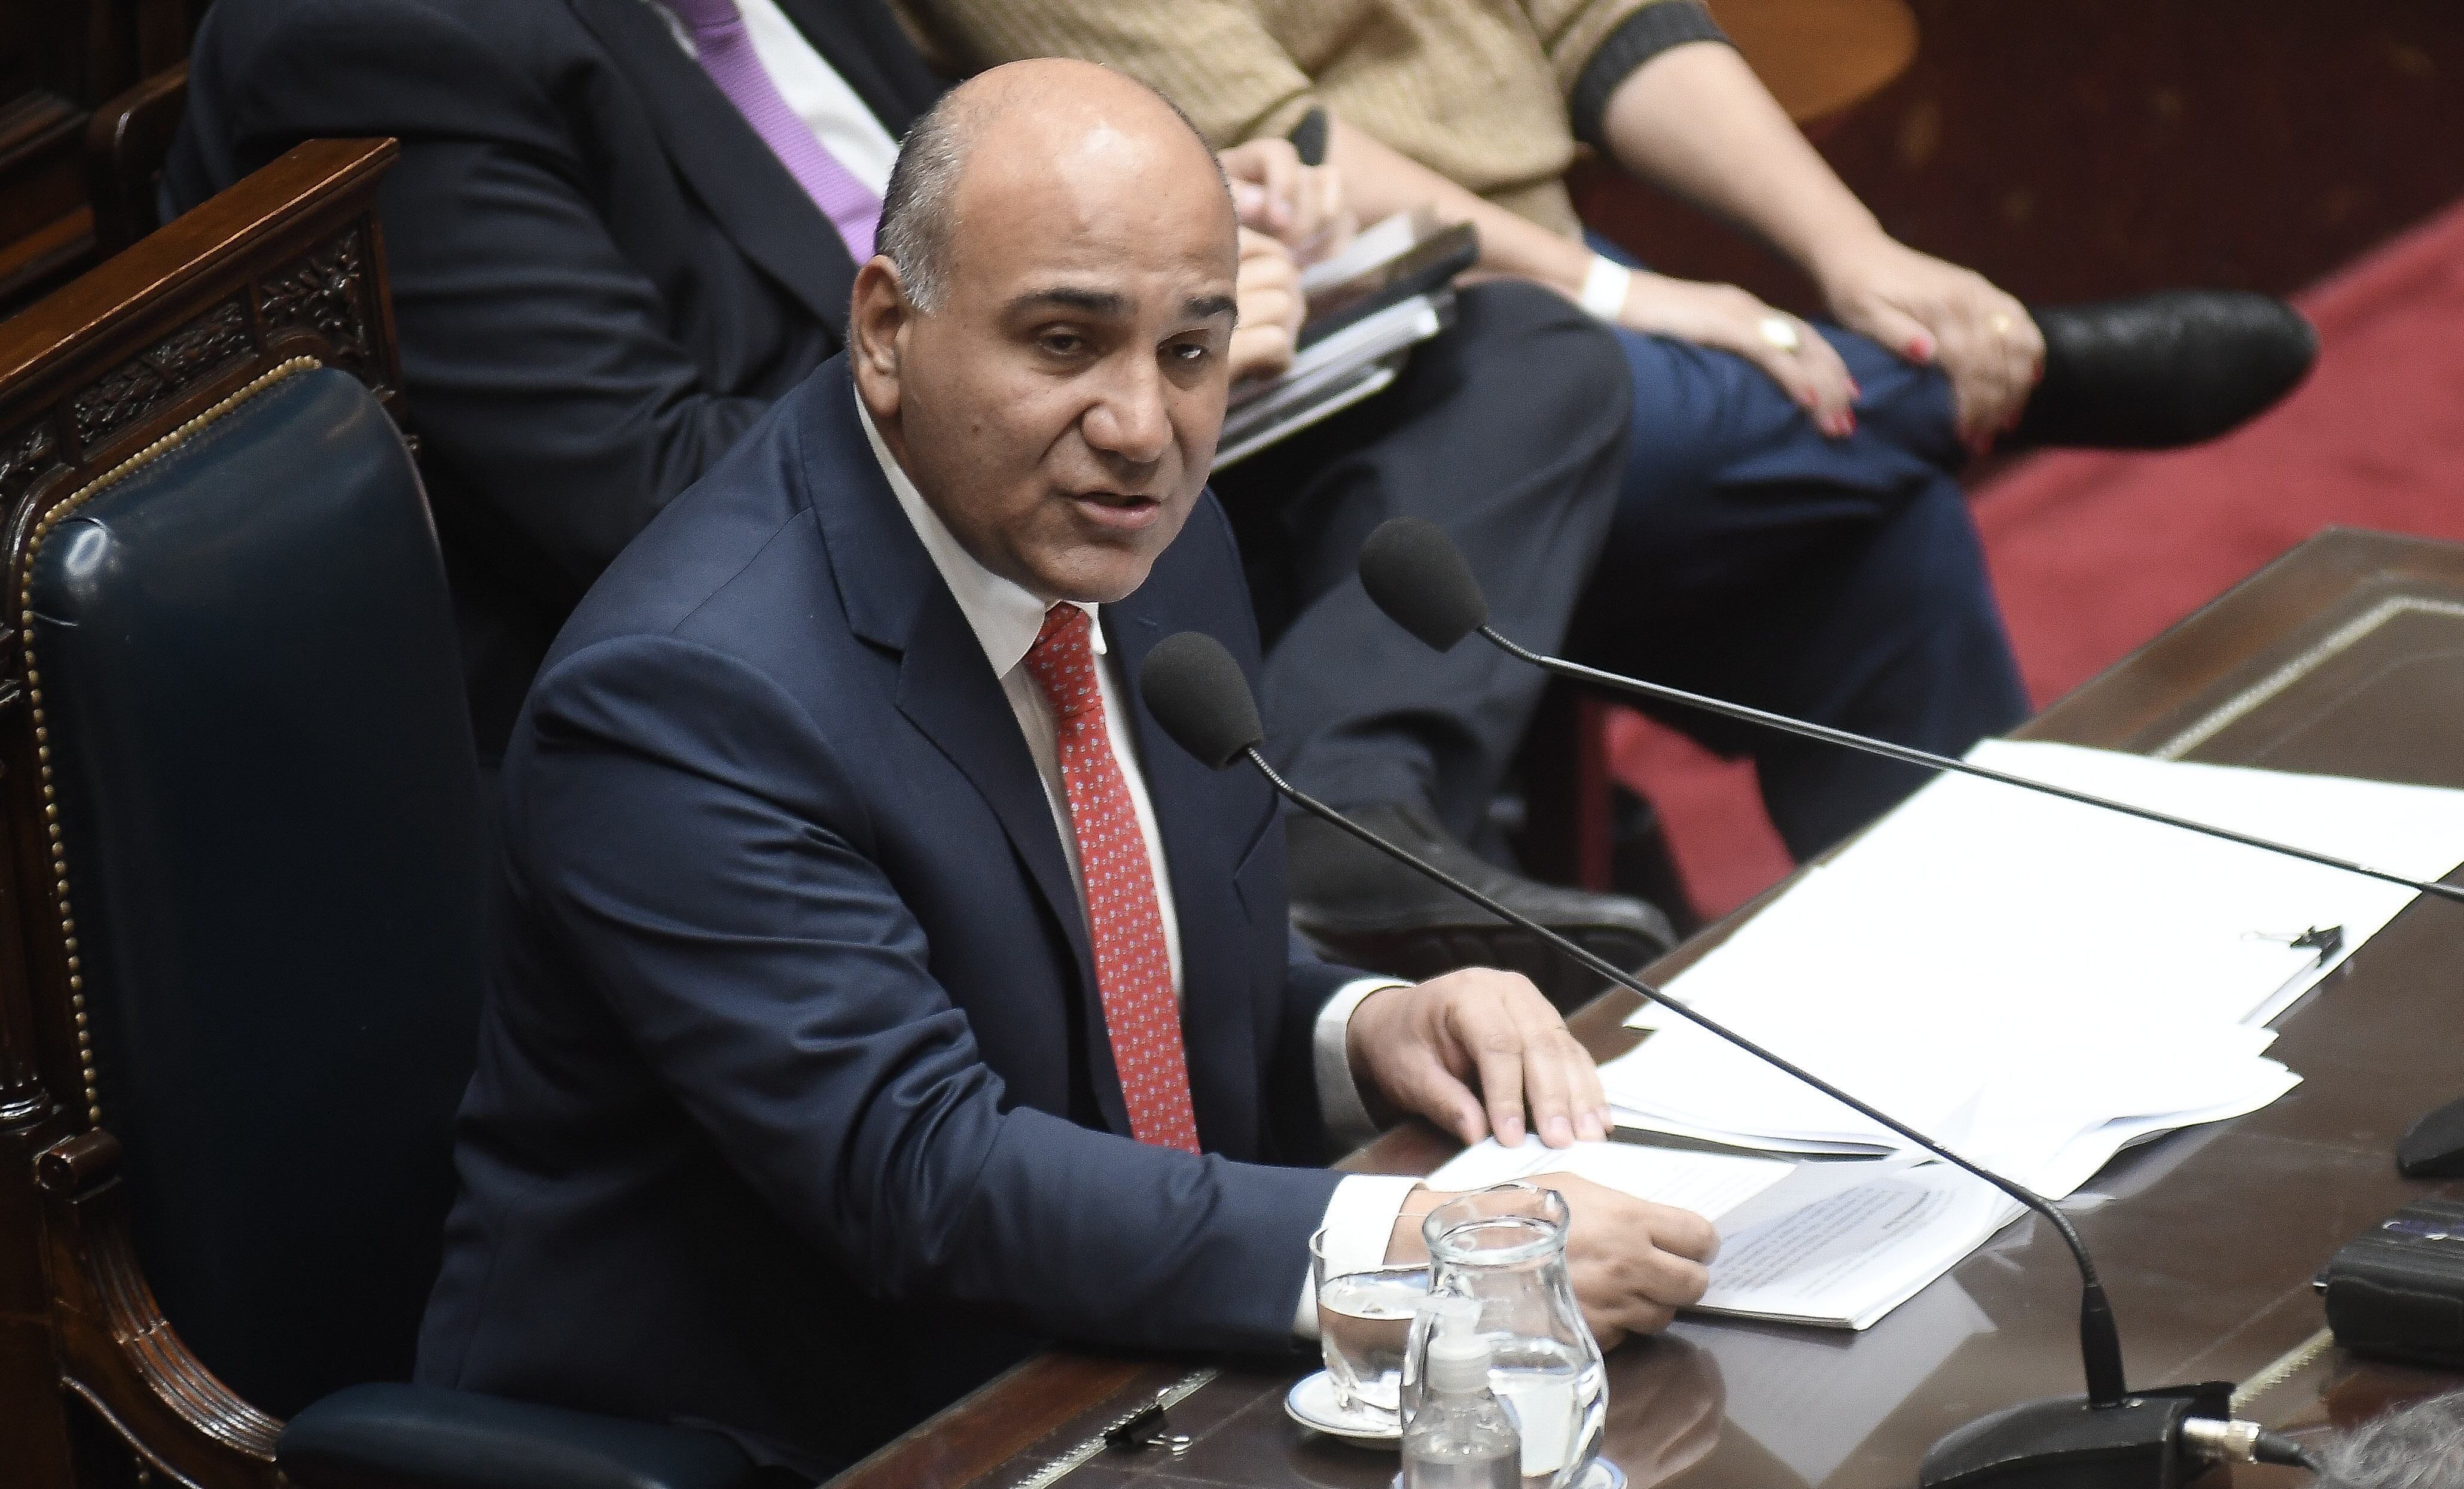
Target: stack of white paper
1838 1243
1339 370
1710 1184
1329 375
2035 983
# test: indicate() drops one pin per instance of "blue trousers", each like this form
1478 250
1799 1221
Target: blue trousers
1755 559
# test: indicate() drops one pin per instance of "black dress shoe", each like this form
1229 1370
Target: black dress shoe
2165 370
1364 909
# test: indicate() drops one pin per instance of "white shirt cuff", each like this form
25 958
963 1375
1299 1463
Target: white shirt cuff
1359 1225
1338 1096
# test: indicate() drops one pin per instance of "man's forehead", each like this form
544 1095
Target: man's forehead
1138 221
1111 299
1112 269
1083 235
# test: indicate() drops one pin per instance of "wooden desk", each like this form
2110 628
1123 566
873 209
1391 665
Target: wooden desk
2346 655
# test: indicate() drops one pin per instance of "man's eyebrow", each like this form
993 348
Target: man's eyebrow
1206 307
1070 297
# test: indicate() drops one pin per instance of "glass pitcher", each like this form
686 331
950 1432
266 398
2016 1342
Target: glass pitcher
1504 1250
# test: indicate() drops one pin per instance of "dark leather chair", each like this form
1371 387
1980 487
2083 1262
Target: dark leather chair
244 892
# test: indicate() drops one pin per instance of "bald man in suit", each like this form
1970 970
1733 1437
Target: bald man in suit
878 990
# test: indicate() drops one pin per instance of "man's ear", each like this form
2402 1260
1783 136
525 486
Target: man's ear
878 315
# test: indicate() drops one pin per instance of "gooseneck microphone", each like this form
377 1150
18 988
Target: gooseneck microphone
1418 576
2108 1439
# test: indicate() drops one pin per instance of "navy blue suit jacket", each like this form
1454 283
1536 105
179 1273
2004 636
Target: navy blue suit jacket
794 1112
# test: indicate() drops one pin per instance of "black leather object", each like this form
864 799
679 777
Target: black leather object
2433 1148
425 1437
271 815
2165 370
2396 1291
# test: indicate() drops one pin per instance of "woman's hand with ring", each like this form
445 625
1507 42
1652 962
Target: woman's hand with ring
1933 312
1723 316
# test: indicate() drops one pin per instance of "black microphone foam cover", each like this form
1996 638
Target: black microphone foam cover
1195 691
1419 578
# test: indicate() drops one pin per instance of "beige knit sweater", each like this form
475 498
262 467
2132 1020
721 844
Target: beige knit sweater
1477 90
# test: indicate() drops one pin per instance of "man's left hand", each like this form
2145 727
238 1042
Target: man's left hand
1930 311
1471 1050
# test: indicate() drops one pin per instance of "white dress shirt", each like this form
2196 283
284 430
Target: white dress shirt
1005 619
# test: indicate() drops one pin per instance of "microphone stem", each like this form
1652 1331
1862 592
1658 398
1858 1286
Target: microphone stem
1927 758
2100 1343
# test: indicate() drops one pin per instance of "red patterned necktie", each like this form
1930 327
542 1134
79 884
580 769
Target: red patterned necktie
1132 971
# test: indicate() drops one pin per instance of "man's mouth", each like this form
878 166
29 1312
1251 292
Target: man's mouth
1124 510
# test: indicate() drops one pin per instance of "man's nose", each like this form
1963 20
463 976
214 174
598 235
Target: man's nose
1130 421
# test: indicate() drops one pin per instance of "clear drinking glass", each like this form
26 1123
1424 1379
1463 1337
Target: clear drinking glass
1503 1248
1364 1316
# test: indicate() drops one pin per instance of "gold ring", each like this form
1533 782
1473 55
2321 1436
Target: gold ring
1780 332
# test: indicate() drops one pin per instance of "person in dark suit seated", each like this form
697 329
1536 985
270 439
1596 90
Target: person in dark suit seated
878 991
620 229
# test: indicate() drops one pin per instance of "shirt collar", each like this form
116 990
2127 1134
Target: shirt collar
1004 616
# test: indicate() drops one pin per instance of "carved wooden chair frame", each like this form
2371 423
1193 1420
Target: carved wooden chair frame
288 263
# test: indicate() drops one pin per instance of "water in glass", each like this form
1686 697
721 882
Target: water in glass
1363 1319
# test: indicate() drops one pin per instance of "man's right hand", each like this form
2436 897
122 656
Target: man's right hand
1633 1263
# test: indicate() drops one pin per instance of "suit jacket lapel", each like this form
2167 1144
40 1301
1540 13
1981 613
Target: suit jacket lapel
753 197
897 599
947 689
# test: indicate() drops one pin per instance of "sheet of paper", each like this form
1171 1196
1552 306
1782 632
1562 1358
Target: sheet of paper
2059 1171
1809 1184
1708 1184
1687 1075
1851 1258
1646 1126
1989 888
